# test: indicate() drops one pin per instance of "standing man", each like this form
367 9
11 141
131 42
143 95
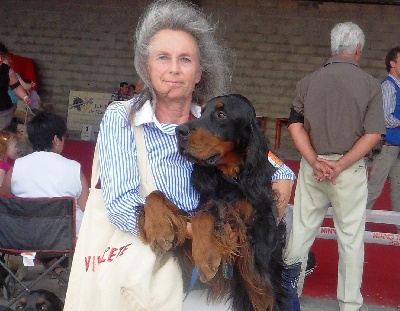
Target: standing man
387 162
122 93
336 118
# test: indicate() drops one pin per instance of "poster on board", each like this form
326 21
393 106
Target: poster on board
85 110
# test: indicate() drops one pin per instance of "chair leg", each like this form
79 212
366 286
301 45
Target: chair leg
278 129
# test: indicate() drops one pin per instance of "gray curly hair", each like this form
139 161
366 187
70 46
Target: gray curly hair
180 15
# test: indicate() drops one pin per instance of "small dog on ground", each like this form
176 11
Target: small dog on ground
40 299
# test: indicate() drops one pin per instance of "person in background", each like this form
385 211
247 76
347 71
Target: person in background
25 85
131 90
139 86
8 79
45 172
8 151
121 94
336 118
387 162
36 103
21 131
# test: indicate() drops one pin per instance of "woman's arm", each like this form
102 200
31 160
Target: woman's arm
2 174
283 191
84 194
26 86
6 185
282 184
19 90
118 169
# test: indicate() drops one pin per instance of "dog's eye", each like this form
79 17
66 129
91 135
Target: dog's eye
221 115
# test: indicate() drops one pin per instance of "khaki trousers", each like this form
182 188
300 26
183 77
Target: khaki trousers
348 199
386 165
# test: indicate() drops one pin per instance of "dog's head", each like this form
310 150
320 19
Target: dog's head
40 299
222 135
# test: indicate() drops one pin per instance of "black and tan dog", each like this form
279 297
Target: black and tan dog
233 177
40 299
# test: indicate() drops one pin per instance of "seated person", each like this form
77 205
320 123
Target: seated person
45 172
131 90
121 94
8 151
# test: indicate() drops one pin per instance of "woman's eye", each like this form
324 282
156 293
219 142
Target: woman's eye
186 59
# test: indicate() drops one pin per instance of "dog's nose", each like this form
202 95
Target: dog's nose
183 131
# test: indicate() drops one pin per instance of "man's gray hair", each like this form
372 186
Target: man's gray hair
184 16
345 37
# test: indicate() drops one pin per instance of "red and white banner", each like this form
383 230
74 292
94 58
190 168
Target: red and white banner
369 237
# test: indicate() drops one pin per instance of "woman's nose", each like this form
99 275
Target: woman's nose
174 66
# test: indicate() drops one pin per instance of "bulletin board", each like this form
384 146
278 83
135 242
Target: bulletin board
85 111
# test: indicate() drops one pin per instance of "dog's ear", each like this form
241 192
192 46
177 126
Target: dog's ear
256 143
256 178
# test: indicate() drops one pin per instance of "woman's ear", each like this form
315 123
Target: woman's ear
198 76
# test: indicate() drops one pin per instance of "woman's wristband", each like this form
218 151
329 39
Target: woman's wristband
25 97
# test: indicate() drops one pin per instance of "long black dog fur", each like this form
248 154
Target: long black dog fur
253 184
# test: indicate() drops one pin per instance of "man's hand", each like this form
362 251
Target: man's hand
334 168
321 170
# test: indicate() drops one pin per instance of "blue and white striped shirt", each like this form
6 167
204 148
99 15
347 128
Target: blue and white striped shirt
283 173
118 167
389 102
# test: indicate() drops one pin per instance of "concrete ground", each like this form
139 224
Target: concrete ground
307 303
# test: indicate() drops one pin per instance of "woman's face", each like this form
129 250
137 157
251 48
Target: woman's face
173 64
12 149
21 132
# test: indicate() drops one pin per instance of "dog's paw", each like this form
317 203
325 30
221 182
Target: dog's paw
162 225
205 251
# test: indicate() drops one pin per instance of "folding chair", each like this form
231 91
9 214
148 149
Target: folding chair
45 226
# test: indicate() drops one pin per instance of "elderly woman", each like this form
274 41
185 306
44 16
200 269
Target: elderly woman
8 78
182 66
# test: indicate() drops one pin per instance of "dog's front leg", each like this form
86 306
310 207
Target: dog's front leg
161 223
206 253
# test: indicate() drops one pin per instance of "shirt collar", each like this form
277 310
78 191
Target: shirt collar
338 59
395 79
146 114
